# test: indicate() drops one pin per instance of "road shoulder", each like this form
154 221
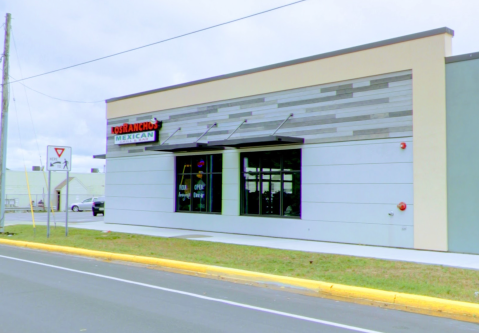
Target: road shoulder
400 301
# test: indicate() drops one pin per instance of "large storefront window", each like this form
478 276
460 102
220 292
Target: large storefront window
199 183
271 183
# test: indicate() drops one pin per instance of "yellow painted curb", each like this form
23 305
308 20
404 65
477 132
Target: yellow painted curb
413 303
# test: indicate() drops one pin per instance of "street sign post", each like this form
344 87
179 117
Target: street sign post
59 158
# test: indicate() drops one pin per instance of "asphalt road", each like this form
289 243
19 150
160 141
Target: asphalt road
47 292
59 217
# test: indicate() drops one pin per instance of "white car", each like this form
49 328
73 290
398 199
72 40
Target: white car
84 205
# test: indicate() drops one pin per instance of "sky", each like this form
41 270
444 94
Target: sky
51 34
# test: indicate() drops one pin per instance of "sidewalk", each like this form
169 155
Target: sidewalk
469 261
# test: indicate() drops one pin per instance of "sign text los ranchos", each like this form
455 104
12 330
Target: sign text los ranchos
136 133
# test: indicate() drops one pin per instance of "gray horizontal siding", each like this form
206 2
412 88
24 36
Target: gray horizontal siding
367 108
349 105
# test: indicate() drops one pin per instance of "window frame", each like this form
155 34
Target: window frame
191 174
259 177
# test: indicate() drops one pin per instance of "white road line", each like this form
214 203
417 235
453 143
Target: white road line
241 305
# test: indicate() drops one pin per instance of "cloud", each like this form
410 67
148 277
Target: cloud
54 33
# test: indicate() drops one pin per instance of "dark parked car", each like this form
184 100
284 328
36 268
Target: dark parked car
98 206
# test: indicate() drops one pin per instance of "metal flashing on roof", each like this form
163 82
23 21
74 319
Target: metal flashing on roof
363 47
269 140
462 57
193 146
100 156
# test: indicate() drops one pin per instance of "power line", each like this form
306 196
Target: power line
59 99
38 92
159 42
29 111
24 163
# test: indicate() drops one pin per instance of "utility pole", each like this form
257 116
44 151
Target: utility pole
4 129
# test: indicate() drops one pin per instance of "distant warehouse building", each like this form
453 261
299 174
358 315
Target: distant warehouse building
81 187
375 144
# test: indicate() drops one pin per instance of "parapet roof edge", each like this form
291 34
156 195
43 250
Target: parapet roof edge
462 57
429 33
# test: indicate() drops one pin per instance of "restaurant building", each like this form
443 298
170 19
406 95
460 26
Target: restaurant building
374 144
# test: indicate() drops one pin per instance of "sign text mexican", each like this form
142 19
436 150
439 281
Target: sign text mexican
136 133
135 137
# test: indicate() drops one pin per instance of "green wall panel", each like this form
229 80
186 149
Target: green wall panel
462 84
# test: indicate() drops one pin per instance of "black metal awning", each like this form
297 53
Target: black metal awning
100 156
193 146
270 140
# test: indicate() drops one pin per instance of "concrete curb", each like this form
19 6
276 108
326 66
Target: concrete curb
407 302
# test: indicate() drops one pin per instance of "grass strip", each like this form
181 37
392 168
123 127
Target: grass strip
428 280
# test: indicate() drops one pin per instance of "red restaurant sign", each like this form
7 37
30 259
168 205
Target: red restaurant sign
138 127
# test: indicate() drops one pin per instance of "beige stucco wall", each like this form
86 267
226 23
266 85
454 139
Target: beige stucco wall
424 56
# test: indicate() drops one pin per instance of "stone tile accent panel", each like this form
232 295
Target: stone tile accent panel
349 105
143 118
362 109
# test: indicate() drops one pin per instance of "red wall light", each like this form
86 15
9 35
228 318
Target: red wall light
403 145
402 206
